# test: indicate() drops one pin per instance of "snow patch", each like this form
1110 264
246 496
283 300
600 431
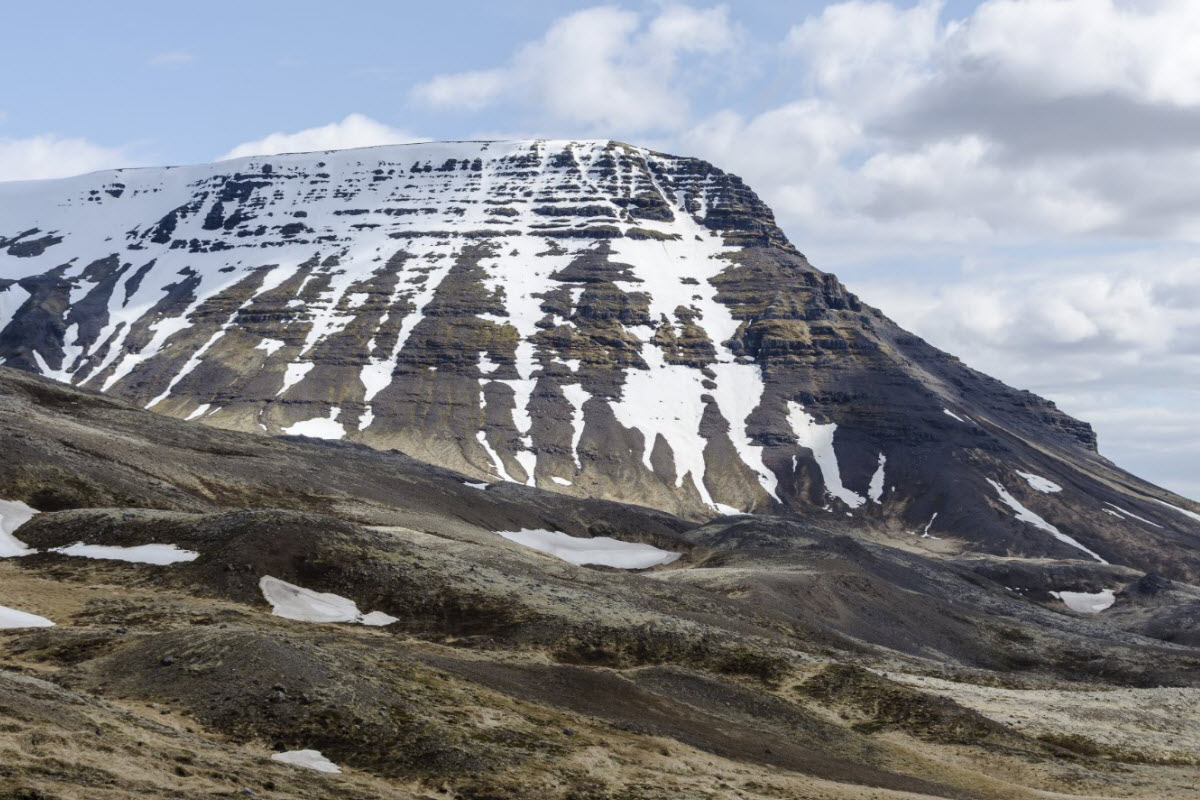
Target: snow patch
1025 515
576 396
199 412
319 427
950 413
160 554
309 759
1118 512
819 439
11 619
293 375
1040 483
1184 511
13 514
12 298
1087 602
269 345
497 464
599 550
875 490
304 605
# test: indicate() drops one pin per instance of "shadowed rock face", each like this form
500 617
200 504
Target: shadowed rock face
590 318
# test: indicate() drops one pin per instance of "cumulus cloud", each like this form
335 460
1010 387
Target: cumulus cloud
1114 339
1032 117
51 156
356 130
603 67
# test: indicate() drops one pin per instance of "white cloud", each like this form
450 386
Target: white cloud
51 156
172 59
356 130
604 67
1148 50
1030 119
1114 339
464 90
868 53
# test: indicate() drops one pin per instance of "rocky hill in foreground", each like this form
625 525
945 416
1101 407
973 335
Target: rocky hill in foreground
589 318
174 623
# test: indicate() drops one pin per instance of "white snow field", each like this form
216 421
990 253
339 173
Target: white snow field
11 619
309 759
599 550
160 554
304 605
13 514
1087 602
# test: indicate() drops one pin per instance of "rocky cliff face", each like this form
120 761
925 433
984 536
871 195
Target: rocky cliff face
587 317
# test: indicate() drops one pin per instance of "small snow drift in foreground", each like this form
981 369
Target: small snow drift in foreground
159 554
599 550
13 514
950 413
1040 483
1087 602
309 759
11 619
304 605
1025 515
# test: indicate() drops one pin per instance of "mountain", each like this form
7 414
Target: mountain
769 657
589 318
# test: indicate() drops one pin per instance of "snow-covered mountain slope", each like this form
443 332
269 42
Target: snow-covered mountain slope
587 317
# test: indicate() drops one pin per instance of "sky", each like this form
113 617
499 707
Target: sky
1013 180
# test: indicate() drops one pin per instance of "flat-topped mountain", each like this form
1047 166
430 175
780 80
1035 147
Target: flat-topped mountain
587 317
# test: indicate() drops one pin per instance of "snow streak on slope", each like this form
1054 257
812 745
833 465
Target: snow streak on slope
1025 515
819 439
